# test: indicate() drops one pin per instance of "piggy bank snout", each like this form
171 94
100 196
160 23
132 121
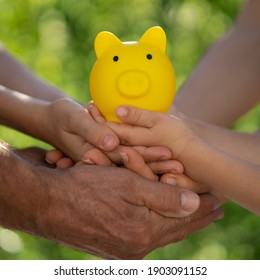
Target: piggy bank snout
133 83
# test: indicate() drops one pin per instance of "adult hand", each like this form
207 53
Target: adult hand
113 213
107 211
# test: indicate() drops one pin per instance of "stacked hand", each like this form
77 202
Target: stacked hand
151 161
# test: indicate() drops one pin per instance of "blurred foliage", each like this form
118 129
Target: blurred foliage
55 38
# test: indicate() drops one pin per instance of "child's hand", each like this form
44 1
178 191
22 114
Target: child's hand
156 155
172 172
158 158
142 127
135 161
71 129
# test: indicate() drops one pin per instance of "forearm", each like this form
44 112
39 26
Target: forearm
21 198
234 178
22 112
226 84
16 76
242 145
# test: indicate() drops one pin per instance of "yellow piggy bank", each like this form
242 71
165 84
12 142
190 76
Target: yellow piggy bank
132 73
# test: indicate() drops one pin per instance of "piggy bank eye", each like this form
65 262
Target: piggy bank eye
115 58
149 56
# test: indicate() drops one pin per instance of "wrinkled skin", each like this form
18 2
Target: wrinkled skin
107 211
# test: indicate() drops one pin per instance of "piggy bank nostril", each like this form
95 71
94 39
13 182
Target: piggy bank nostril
133 83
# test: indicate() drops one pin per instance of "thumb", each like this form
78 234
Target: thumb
135 116
169 201
97 134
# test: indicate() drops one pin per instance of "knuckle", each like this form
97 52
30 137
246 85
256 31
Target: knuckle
135 116
167 196
128 138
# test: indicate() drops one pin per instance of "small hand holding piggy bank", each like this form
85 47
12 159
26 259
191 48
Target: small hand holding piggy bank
132 73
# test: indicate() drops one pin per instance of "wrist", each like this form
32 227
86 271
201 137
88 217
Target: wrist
22 198
35 119
184 136
188 146
21 111
196 158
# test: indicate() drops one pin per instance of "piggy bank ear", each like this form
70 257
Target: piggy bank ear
105 40
155 36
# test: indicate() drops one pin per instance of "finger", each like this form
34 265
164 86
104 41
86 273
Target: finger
135 162
132 135
149 154
95 112
95 156
156 153
208 211
53 156
136 116
64 163
75 146
175 229
167 166
209 203
93 132
192 227
169 201
79 163
183 181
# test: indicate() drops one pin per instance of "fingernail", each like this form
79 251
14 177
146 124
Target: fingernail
163 157
48 161
108 142
171 181
121 112
88 161
124 156
90 106
189 201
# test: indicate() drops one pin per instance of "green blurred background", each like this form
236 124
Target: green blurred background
55 38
